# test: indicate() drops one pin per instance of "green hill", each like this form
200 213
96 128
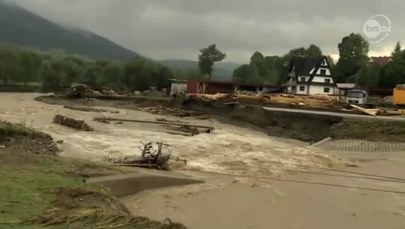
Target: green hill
21 27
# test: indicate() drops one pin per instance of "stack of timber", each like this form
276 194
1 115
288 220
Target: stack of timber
72 123
315 101
209 97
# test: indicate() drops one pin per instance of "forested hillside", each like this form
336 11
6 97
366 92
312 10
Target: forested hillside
21 27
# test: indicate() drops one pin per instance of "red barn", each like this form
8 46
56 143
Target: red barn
213 87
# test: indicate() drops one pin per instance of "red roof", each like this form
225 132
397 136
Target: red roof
380 60
240 84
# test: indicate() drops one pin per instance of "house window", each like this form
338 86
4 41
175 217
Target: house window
327 80
302 79
323 72
326 90
302 88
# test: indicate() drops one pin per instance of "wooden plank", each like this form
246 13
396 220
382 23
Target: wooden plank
372 112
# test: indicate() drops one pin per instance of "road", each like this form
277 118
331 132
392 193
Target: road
337 114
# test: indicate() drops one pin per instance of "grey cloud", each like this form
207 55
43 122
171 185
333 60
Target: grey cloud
179 28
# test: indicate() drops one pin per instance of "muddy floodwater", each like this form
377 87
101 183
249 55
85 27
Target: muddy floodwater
229 149
252 180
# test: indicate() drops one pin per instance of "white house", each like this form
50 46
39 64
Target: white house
310 76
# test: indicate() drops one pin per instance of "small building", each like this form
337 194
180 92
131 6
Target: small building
178 87
310 76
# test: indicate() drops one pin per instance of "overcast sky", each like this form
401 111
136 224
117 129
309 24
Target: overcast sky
177 29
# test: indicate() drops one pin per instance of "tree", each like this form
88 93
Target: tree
253 74
112 75
11 68
277 69
240 74
314 50
257 59
73 69
207 59
49 76
353 52
397 51
394 72
90 74
30 63
297 52
311 51
163 78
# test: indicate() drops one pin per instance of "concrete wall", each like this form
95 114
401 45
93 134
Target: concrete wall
305 127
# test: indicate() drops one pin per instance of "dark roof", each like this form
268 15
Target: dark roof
303 65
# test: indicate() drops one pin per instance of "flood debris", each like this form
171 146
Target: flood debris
187 130
89 109
175 127
164 110
72 123
81 91
154 155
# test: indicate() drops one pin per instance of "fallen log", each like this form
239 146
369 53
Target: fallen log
88 109
179 133
72 123
208 128
169 121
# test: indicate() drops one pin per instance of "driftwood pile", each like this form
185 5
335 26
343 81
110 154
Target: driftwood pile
72 123
83 91
162 110
174 127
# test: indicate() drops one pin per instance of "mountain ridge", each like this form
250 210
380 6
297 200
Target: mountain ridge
22 27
